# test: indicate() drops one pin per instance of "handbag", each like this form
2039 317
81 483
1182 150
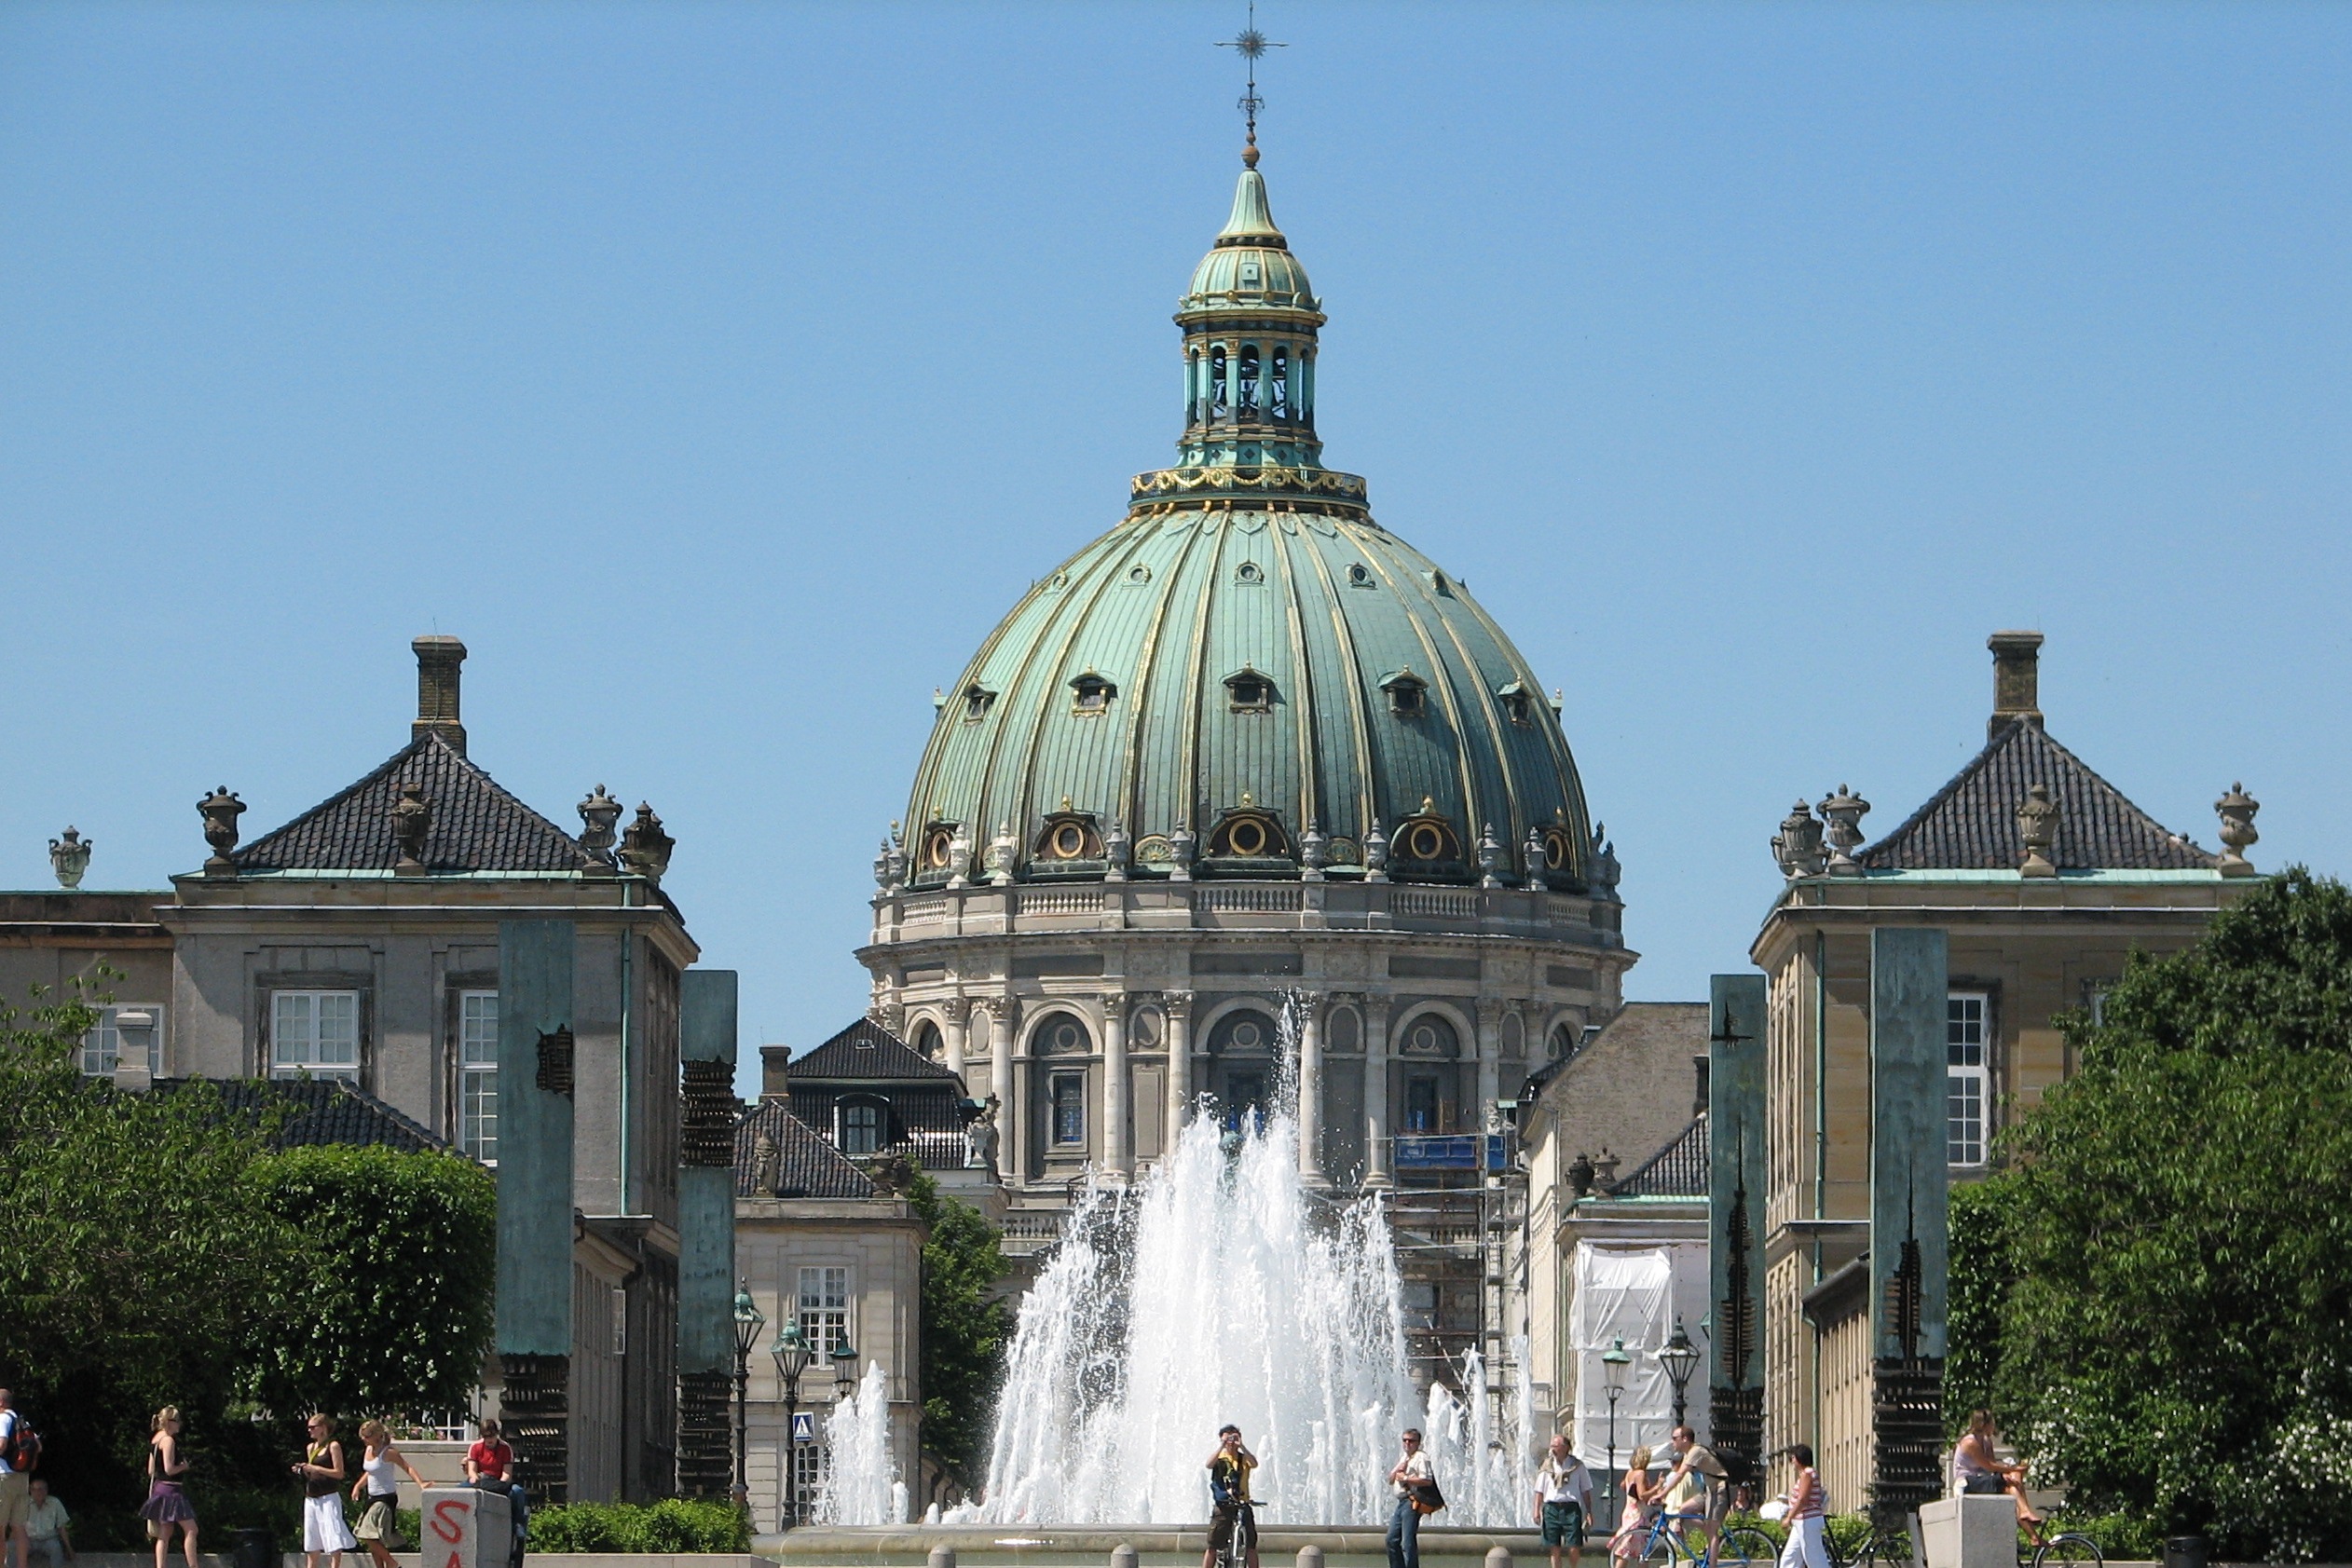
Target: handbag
1425 1497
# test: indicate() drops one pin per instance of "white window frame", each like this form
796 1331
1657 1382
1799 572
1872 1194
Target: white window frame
880 1113
477 1056
294 1034
1968 1077
821 1301
102 1043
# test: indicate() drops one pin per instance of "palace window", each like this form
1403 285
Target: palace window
1968 1098
317 1032
101 1047
1090 693
861 1127
1407 694
1420 1104
1245 1092
1068 1108
825 1309
1247 691
478 1074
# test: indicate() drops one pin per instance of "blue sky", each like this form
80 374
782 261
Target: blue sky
722 373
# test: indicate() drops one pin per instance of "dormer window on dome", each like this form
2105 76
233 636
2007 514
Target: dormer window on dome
1359 575
1069 835
1090 694
1249 691
936 850
1408 693
1426 841
1517 704
1249 832
978 700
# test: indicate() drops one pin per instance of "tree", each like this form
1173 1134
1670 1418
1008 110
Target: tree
386 1308
134 1259
964 1328
2178 1261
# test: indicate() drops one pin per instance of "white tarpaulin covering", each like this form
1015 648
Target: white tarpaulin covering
1631 1293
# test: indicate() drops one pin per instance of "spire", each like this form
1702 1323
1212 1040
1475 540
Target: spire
1252 220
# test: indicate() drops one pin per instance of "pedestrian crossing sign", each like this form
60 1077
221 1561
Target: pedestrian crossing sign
804 1426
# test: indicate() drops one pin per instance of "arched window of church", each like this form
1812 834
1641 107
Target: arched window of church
1563 1042
1249 378
926 1040
1216 380
1432 1035
1281 396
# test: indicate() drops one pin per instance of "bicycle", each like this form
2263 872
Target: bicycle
1880 1544
1729 1546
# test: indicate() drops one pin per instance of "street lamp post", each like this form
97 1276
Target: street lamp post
792 1352
1613 1363
844 1369
1680 1358
749 1320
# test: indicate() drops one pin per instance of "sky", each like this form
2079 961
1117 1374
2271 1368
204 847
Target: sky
720 374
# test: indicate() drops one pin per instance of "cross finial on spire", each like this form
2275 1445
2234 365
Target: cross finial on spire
1251 43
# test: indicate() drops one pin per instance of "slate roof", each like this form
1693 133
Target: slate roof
1679 1170
325 1110
811 1168
1971 823
476 825
863 1051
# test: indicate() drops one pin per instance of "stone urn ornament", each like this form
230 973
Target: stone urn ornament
1181 847
220 811
69 856
1581 1175
894 854
1314 852
1490 857
2037 829
1000 856
1116 853
645 849
412 819
1797 845
1605 867
598 814
1843 812
1375 854
2238 810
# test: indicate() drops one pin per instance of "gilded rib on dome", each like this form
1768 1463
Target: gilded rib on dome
1248 671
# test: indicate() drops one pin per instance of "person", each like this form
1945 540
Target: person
1409 1476
1641 1505
16 1493
490 1466
1695 1490
166 1503
324 1532
378 1490
1563 1501
1807 1511
49 1526
1230 1508
1975 1468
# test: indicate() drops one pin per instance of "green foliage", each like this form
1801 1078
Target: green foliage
2120 1537
1982 1274
131 1264
674 1525
1772 1530
1848 1534
2165 1335
964 1326
387 1306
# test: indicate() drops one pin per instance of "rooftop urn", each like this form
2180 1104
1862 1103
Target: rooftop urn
1604 1170
1797 845
1116 852
1490 857
1581 1175
1531 854
1182 846
1375 854
1000 856
220 811
412 820
2238 810
1314 852
959 858
1606 868
1843 812
598 814
2037 829
645 849
69 856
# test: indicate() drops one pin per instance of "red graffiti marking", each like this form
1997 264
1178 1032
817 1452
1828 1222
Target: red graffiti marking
448 1522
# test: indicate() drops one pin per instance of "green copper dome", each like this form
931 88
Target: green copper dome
1248 677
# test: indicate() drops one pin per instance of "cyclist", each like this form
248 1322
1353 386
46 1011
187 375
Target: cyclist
1697 1490
1231 1512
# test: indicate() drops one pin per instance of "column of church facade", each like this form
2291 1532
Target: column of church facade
1117 1152
1311 1091
1178 1007
1376 1173
1490 1052
1000 1061
958 1016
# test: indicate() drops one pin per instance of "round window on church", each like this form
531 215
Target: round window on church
1066 1038
1424 841
1247 838
1555 850
936 847
1247 1036
1069 842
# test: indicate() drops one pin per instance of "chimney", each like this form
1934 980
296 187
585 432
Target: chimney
774 1082
437 662
2016 658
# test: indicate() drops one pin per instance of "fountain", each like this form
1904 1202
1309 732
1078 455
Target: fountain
1218 1289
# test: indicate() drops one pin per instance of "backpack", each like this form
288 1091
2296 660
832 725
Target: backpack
22 1450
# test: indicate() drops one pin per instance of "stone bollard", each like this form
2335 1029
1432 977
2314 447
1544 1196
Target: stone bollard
1311 1556
942 1556
1123 1556
1497 1557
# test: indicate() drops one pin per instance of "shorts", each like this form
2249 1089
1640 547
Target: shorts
1981 1486
1223 1521
1563 1524
323 1525
16 1500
